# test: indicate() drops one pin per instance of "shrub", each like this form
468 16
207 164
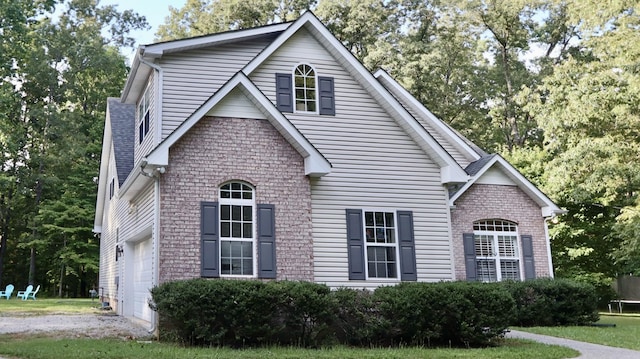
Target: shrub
303 313
241 313
602 285
447 313
553 302
357 320
221 312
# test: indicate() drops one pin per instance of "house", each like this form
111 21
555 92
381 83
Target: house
274 153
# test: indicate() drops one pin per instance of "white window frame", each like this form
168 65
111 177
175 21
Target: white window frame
254 241
495 256
143 114
394 245
295 89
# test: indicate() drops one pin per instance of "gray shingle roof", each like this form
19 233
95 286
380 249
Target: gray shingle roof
473 167
122 131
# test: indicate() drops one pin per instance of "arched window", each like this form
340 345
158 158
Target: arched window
237 229
304 80
496 249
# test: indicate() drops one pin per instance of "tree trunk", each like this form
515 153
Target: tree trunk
62 268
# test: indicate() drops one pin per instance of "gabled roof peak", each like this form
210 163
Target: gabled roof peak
481 166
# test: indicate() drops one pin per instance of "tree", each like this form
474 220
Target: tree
203 17
59 79
589 110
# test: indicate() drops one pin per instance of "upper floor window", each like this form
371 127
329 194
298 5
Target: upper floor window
112 188
496 250
143 114
237 234
305 91
304 80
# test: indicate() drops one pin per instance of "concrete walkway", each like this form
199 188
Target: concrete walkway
588 350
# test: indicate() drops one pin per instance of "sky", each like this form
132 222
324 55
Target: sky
154 10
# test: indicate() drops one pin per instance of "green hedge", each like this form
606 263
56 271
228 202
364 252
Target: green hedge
447 313
246 313
553 302
242 313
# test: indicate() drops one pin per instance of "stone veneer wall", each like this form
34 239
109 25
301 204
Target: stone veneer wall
215 151
483 201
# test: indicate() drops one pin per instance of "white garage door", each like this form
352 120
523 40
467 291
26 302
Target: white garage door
142 280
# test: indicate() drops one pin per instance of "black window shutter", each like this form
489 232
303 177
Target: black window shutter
284 92
355 244
209 239
327 97
266 241
468 241
408 270
527 256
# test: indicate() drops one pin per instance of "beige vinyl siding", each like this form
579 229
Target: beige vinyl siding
121 221
142 149
443 140
137 215
236 105
108 267
191 77
375 165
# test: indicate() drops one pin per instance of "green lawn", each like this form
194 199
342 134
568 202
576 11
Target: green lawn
16 306
625 334
51 348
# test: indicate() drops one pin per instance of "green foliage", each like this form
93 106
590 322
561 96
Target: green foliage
52 113
447 313
553 302
357 319
202 17
242 313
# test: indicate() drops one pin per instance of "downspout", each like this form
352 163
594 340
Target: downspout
156 247
548 240
155 174
156 188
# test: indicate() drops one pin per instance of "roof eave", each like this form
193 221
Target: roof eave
316 165
547 206
102 176
382 75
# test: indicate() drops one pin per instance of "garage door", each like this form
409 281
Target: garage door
142 280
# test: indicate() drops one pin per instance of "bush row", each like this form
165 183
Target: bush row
245 313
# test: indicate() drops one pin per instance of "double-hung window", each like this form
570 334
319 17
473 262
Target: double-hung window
237 229
381 244
143 115
496 250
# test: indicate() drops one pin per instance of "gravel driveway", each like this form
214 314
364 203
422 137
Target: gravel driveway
74 325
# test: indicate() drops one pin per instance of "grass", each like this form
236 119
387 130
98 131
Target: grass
44 306
51 348
54 346
625 334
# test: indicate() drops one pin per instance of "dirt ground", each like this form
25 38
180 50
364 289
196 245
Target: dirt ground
103 325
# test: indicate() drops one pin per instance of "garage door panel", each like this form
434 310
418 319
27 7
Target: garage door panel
142 279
